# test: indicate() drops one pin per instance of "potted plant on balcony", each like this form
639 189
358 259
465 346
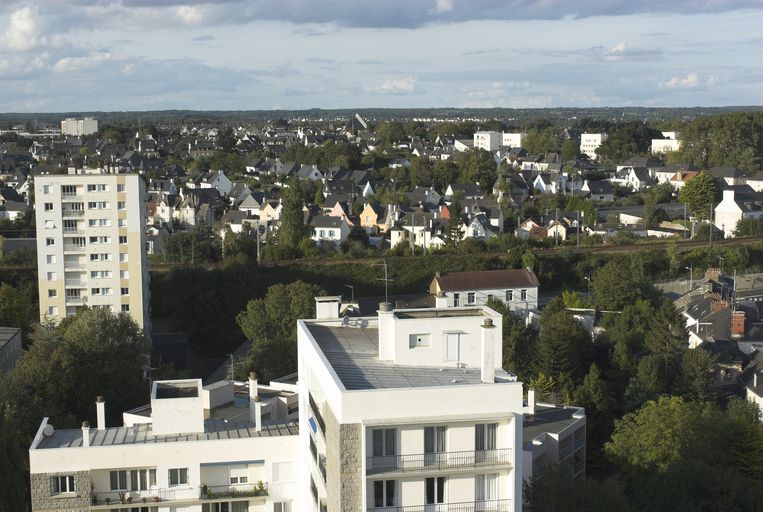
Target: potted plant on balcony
260 489
204 490
107 500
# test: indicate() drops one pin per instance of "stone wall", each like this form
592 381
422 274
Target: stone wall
344 477
43 499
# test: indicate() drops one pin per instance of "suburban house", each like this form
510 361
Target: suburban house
598 190
530 230
517 288
371 218
464 191
668 143
326 229
738 203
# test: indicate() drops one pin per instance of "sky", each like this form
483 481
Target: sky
78 55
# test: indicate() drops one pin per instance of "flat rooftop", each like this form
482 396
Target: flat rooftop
142 433
7 334
547 420
439 313
353 353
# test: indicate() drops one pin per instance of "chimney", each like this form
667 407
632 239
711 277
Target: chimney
755 379
441 300
487 343
85 434
327 307
531 401
386 332
100 412
737 324
718 305
713 274
257 413
253 396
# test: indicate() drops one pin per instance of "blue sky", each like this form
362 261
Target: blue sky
76 55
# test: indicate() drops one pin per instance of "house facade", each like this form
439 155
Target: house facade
517 288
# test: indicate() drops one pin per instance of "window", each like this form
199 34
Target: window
69 190
322 233
95 291
384 493
486 487
509 295
123 257
456 299
283 506
93 257
48 207
52 310
471 297
50 242
331 233
484 436
419 340
46 189
434 444
142 479
435 490
523 294
120 188
452 346
52 294
125 291
121 205
124 274
50 258
226 506
122 223
178 476
118 480
384 442
62 484
51 276
239 480
98 188
123 239
125 308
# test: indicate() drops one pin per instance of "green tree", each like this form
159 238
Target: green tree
17 308
749 226
226 139
292 228
563 345
633 138
552 490
699 194
570 150
697 374
615 286
519 341
270 323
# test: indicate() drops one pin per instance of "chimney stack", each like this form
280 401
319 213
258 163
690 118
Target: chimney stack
531 401
257 413
100 412
441 300
253 396
85 434
737 324
487 340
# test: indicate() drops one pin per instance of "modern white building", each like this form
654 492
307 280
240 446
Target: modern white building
489 141
666 145
85 126
226 447
589 143
409 410
517 288
513 140
91 245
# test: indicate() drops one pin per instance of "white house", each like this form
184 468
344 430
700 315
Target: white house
513 140
735 206
329 229
589 143
666 145
517 288
755 182
217 180
598 190
192 449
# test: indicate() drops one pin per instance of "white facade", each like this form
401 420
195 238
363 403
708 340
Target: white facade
730 211
86 126
513 140
489 141
666 145
91 245
170 458
589 142
388 413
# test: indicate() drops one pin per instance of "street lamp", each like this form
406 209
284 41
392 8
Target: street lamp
690 268
352 289
588 278
720 263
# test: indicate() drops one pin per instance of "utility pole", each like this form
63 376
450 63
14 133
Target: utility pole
690 268
711 225
556 228
685 230
577 236
386 279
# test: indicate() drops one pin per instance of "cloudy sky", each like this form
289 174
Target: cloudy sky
67 55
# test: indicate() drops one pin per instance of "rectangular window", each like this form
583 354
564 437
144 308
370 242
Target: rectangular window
95 291
456 299
69 190
452 346
51 276
125 308
120 188
50 258
178 476
434 440
124 274
419 340
122 223
471 297
48 207
52 310
484 436
93 257
435 490
486 487
121 205
283 506
123 257
125 291
50 242
384 442
523 294
384 493
46 189
142 479
123 239
509 295
118 480
52 294
62 484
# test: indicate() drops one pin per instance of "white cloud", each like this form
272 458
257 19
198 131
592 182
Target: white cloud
393 86
189 15
73 64
617 52
690 81
443 6
23 31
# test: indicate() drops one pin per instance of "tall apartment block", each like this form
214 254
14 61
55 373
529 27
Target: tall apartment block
408 411
85 126
91 245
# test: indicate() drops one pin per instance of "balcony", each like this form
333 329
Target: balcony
477 459
74 248
106 500
73 213
71 232
214 492
76 301
466 506
74 283
322 466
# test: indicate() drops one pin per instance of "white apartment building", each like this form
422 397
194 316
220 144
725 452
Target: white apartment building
489 141
589 142
408 411
513 140
226 447
666 145
85 126
91 245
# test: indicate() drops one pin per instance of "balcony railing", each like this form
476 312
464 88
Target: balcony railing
73 301
76 283
68 232
213 492
437 461
322 466
466 506
74 248
73 213
100 499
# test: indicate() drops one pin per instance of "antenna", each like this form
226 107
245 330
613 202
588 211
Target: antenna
385 279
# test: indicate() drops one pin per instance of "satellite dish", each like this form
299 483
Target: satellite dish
48 430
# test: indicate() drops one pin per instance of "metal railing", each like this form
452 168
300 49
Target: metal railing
322 466
131 497
68 232
73 213
437 461
213 492
74 282
74 248
466 506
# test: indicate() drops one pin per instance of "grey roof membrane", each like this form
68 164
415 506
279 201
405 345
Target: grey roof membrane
547 420
143 433
353 354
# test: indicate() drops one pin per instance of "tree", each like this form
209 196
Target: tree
552 490
615 286
519 341
570 150
17 308
697 373
749 226
563 344
633 138
292 229
699 195
270 323
226 140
